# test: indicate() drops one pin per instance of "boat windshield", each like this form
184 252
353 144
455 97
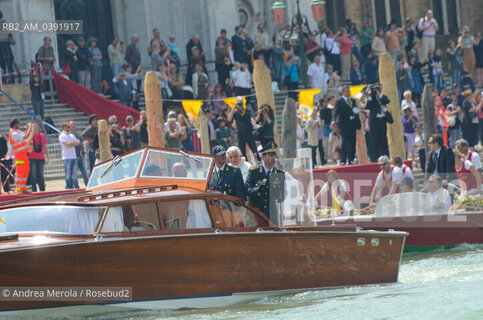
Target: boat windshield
124 168
164 164
65 219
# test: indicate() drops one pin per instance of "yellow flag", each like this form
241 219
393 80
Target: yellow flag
356 89
1 220
192 109
306 97
306 102
231 102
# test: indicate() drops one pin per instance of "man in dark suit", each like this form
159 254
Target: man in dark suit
266 184
378 118
347 119
440 160
225 178
239 46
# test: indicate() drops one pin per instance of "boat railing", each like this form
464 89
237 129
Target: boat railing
127 192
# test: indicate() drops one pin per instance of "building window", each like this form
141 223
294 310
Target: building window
384 11
335 13
446 12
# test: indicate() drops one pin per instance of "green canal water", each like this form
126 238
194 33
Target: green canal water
444 284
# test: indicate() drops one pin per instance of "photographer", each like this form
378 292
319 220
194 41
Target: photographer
291 80
266 120
243 118
378 118
125 89
117 140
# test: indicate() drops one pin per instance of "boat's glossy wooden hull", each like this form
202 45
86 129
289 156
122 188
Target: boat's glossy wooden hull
177 266
425 232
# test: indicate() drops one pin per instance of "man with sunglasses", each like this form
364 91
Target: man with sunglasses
266 184
440 160
390 177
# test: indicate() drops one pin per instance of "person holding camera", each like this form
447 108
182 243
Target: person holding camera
428 26
378 118
291 80
38 155
265 119
243 118
125 89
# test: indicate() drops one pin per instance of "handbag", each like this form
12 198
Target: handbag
66 68
419 33
451 120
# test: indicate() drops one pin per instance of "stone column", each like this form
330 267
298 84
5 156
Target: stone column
429 115
387 76
104 145
154 110
289 129
263 90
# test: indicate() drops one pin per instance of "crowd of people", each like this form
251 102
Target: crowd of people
334 59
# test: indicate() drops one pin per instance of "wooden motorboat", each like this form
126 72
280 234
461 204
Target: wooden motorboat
428 229
146 224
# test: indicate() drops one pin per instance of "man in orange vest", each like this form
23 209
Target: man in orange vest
20 146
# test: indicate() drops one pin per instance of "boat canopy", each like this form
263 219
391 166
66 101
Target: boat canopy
152 167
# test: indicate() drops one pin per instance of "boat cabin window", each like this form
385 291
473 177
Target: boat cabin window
116 170
52 218
230 215
187 214
133 217
164 164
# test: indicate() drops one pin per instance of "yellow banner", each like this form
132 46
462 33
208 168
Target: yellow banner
306 102
1 220
356 89
231 102
192 109
306 97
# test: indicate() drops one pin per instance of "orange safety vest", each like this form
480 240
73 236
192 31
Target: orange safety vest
18 146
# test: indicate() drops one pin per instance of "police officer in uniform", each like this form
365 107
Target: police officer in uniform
225 178
266 184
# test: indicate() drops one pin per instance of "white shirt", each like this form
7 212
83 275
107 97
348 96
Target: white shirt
412 105
218 169
317 76
440 200
166 126
241 79
341 187
68 153
266 169
244 167
394 176
475 160
407 173
332 45
431 31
